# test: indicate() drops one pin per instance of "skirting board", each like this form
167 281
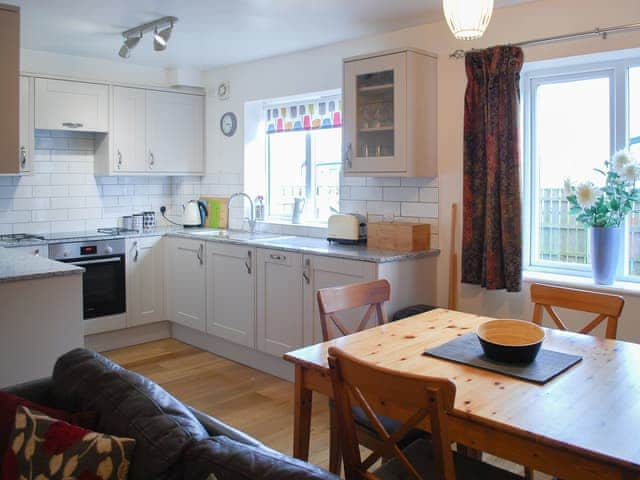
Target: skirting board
128 337
252 358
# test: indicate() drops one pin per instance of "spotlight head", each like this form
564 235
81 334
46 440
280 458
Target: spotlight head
160 39
128 45
124 51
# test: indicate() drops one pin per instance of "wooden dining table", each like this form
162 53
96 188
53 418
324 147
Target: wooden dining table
584 424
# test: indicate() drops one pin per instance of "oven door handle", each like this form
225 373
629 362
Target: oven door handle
101 260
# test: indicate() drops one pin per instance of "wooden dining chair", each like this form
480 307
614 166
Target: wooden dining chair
606 307
332 302
420 402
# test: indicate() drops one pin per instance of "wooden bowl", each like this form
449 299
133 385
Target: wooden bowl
510 341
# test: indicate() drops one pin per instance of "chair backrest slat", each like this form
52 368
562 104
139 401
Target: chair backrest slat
415 400
339 299
606 307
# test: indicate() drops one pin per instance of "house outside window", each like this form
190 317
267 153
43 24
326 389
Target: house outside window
575 118
303 158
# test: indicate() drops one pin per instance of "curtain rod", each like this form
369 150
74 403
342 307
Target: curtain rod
599 32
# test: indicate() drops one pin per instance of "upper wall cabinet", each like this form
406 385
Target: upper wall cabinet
9 90
152 132
175 132
390 114
27 140
67 105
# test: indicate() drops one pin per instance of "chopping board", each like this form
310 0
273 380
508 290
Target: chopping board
217 212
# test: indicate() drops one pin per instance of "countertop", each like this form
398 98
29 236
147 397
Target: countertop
317 246
23 266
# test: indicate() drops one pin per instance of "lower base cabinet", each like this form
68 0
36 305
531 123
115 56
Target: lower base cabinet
288 316
185 282
145 286
279 301
231 292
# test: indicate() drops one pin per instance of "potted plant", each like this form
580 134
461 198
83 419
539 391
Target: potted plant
604 210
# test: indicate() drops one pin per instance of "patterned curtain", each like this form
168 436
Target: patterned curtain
293 116
492 230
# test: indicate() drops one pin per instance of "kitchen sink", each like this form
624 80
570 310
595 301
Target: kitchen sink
231 234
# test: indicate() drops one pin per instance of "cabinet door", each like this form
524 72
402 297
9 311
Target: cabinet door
231 293
375 114
67 105
145 288
324 272
9 88
175 132
279 293
129 130
185 282
26 124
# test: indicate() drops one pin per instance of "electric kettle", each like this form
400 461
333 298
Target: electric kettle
191 214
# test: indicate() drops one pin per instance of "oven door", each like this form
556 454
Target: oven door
103 284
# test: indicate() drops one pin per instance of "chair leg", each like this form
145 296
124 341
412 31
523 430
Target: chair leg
528 473
335 459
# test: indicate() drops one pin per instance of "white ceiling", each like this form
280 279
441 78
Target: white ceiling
211 33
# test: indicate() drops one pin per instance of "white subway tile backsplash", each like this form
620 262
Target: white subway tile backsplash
51 191
50 215
366 193
382 182
419 210
419 182
429 195
400 194
30 203
384 208
67 202
16 192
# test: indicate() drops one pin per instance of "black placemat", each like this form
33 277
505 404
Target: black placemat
466 349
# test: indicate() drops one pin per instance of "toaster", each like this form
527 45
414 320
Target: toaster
347 229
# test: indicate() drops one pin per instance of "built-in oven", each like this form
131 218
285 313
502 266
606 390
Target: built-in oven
104 286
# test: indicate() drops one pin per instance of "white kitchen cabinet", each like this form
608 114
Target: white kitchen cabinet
185 282
325 272
9 89
280 326
175 133
70 105
37 250
231 291
390 114
27 128
145 287
129 130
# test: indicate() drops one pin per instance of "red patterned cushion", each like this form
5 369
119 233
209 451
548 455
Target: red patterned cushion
9 404
45 448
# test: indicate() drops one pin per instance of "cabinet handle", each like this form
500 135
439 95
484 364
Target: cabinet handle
277 257
119 159
247 262
306 272
36 252
137 253
199 254
347 157
72 125
23 157
151 160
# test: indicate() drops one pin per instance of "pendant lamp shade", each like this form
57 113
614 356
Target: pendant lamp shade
467 19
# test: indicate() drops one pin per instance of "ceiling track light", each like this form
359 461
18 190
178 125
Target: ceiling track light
161 29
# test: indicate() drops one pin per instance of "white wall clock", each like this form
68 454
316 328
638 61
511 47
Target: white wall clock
228 124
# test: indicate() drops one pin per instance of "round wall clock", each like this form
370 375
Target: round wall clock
228 124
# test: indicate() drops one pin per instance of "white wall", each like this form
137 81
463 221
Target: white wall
320 69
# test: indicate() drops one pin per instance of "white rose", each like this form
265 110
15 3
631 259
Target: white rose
620 160
586 194
630 172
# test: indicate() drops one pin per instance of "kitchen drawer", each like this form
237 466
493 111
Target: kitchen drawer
74 106
39 250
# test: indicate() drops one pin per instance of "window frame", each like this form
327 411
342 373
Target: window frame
617 70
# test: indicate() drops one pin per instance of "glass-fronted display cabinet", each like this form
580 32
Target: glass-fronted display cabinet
388 97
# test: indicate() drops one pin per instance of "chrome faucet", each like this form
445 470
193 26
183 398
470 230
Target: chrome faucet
252 220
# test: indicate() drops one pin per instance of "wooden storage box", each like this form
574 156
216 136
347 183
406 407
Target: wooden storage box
405 237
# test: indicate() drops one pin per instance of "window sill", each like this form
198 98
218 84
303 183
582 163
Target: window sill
573 281
289 224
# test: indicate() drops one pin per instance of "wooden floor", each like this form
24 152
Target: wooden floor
254 402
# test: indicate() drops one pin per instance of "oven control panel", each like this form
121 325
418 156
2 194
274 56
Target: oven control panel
88 249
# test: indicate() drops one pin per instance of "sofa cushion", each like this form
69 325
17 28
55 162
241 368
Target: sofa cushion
44 447
227 459
9 404
128 405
